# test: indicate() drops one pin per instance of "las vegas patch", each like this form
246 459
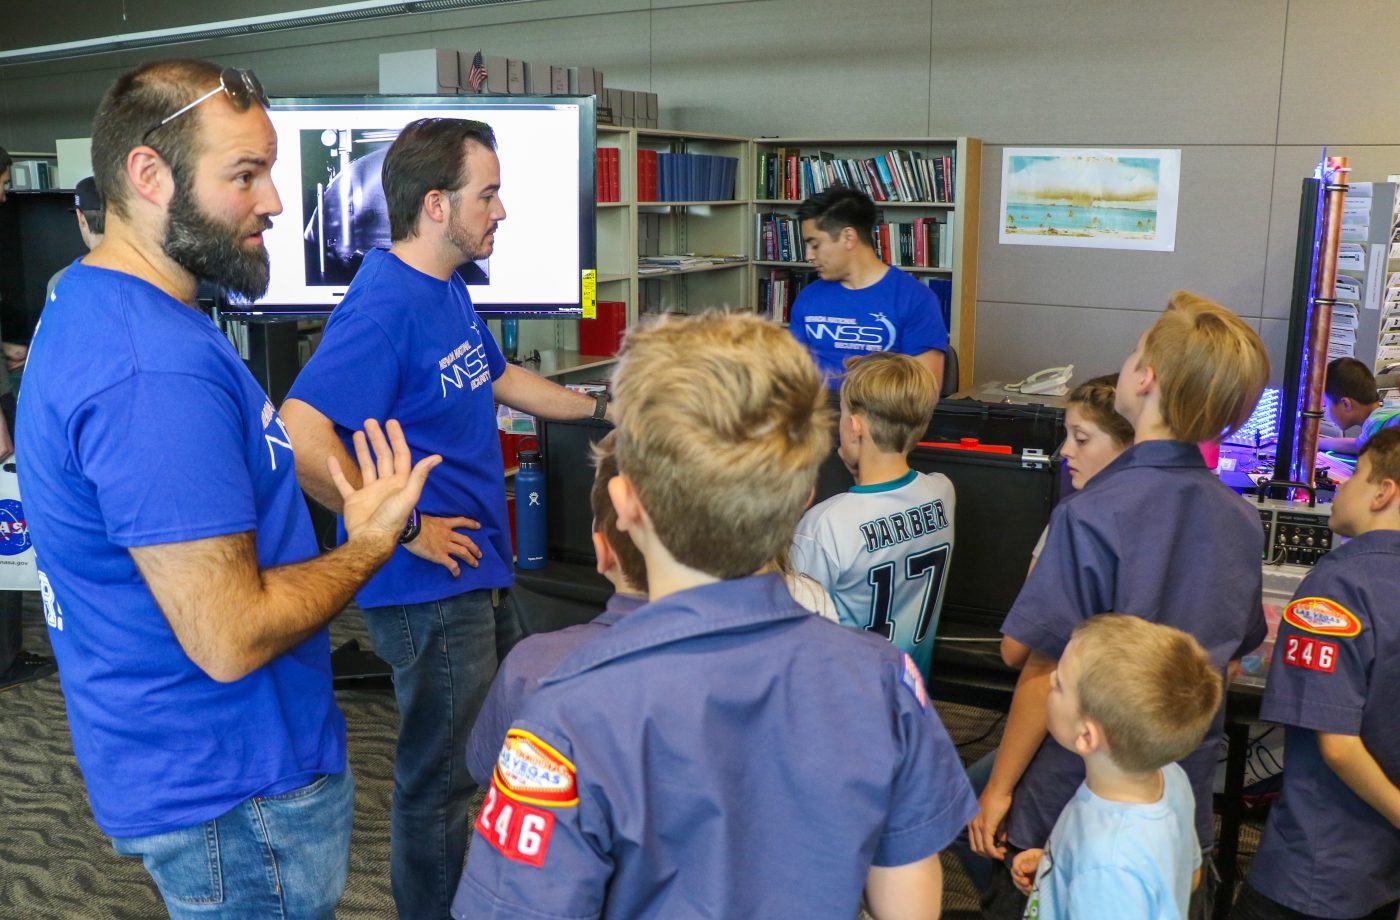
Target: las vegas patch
1322 616
529 770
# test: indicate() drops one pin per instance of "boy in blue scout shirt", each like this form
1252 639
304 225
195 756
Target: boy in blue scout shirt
621 563
721 751
1154 535
1129 697
883 548
1331 846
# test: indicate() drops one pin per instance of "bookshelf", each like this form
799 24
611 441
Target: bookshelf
958 215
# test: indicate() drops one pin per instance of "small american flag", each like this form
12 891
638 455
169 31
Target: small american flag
476 76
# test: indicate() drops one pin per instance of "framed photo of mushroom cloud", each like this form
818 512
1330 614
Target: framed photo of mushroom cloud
1090 198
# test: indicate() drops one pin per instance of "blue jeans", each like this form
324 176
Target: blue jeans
978 868
444 655
278 856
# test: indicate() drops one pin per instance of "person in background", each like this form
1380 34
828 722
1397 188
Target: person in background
1331 845
1130 698
1095 435
177 562
621 563
1121 544
405 342
17 667
639 779
1350 398
92 221
859 304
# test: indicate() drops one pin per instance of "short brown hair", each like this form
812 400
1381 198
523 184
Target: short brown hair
629 558
1350 378
1211 367
135 102
428 154
895 394
1383 448
722 423
1094 398
839 207
1152 688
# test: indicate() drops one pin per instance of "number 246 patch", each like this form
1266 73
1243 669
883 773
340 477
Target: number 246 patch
1313 654
517 830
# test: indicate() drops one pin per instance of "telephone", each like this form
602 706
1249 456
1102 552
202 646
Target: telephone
1053 381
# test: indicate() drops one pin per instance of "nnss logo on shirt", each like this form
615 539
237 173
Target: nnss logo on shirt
846 333
465 364
269 416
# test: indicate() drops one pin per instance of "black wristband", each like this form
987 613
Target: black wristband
600 406
411 528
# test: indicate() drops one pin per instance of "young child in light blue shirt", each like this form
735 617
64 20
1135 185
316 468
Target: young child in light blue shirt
1130 697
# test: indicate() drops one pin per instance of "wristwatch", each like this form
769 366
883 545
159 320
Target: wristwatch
411 528
600 407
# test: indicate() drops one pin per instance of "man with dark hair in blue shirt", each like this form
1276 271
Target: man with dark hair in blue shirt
859 304
405 341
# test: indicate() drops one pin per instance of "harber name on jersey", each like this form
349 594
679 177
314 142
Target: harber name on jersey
908 524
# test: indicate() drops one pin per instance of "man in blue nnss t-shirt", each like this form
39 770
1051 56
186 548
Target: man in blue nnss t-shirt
406 342
859 304
184 598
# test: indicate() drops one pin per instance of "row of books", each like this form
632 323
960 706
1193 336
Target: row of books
925 242
777 291
900 175
668 176
607 174
685 176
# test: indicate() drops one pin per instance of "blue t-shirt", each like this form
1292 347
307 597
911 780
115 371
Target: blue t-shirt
1384 417
1108 860
719 751
1157 536
141 426
896 313
1325 852
406 346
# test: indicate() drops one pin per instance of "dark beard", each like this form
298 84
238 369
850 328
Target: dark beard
212 250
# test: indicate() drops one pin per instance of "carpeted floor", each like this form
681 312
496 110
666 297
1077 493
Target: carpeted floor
55 863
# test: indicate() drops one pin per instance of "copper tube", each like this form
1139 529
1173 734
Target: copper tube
1320 317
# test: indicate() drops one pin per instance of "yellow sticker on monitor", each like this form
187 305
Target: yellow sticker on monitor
589 300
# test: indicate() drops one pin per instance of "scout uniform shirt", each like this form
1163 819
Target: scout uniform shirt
1154 535
1325 852
719 752
532 660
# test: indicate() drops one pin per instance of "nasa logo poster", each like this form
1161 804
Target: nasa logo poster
17 569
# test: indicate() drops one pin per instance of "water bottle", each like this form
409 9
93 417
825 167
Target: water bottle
531 536
510 337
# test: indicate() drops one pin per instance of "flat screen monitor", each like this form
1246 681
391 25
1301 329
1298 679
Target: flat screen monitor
330 154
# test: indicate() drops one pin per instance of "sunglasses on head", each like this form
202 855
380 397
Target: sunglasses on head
240 86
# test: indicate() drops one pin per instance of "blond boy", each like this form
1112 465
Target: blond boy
882 549
1154 535
721 751
1129 698
621 563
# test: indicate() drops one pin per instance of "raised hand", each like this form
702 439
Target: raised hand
392 483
